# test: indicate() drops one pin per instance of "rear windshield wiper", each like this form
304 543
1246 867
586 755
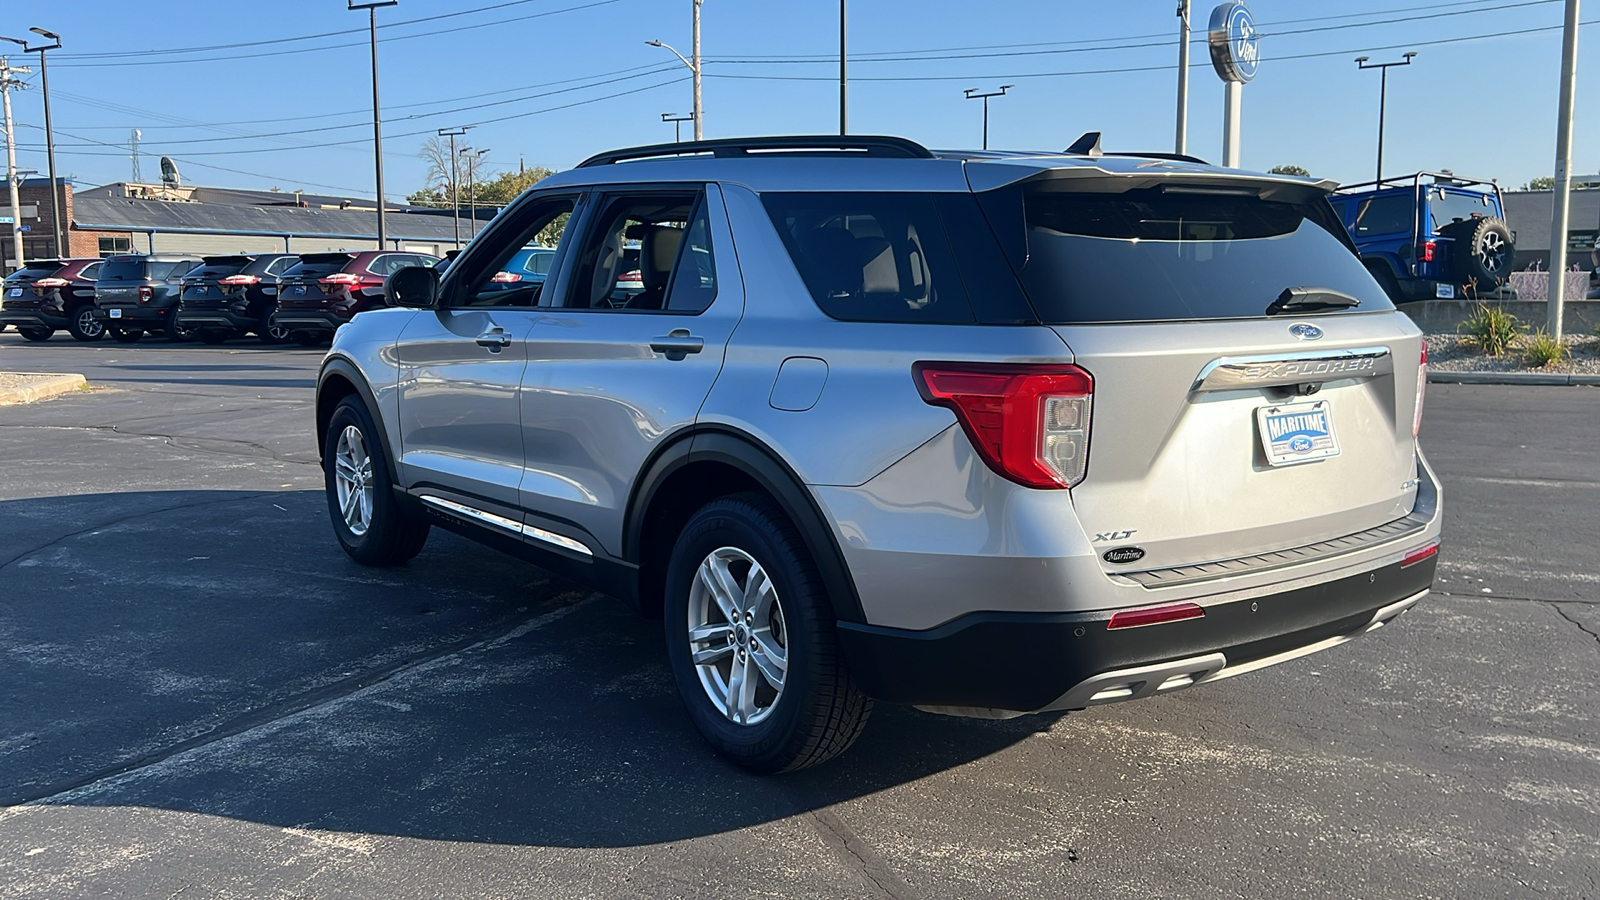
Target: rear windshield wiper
1310 299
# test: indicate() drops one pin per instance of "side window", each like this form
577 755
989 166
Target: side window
384 265
872 256
630 251
1389 214
91 272
694 279
277 266
499 280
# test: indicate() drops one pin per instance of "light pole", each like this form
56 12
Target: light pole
677 125
972 94
58 240
455 183
377 122
694 67
1182 146
472 185
844 81
1383 94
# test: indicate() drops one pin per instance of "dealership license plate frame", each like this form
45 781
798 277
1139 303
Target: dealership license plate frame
1297 442
115 313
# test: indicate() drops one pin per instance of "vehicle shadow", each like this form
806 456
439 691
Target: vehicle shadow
229 660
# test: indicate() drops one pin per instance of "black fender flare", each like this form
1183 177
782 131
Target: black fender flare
755 460
338 365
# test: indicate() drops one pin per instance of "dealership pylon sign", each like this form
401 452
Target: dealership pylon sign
1235 54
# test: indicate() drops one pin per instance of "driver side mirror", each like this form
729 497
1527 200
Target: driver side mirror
416 287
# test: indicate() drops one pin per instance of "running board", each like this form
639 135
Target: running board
501 523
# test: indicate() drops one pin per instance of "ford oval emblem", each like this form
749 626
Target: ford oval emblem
1305 331
1123 555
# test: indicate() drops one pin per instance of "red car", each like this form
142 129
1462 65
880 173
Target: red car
326 290
47 295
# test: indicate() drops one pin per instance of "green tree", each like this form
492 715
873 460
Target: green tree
1290 170
1542 183
504 188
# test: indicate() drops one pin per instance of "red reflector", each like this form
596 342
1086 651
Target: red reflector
1155 615
1420 554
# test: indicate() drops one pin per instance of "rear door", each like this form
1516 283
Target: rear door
617 365
119 282
1220 429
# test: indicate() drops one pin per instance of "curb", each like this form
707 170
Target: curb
50 385
1511 378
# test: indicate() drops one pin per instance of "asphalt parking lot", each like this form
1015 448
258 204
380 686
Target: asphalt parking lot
200 695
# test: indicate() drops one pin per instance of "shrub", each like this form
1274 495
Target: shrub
1543 350
1491 329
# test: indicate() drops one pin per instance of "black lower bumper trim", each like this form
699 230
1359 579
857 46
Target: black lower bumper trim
1025 661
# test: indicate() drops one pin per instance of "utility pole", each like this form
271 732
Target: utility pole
472 185
58 239
1563 185
377 120
972 94
1182 146
455 183
844 80
699 114
6 84
1383 95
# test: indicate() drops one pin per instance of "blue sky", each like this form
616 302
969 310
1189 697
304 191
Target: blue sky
1478 107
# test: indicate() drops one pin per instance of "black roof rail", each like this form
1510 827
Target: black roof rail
828 144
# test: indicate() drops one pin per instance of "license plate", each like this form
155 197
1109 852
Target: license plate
1297 432
1444 291
116 313
16 292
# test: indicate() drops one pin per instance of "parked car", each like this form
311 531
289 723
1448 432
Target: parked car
326 290
1442 237
231 296
138 293
527 267
48 295
986 433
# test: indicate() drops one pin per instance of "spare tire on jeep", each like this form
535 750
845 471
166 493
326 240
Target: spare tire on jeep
1483 251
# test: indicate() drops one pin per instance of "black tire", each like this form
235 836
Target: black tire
125 335
174 330
820 711
83 326
1483 252
269 333
1387 281
37 334
392 535
309 338
215 335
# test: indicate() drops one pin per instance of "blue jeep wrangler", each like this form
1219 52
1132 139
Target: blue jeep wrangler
1429 235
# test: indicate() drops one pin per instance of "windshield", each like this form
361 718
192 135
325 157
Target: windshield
1150 255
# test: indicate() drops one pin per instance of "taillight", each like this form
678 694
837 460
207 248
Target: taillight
146 292
1429 248
505 278
1422 387
340 278
1420 554
239 279
1155 615
51 283
1030 423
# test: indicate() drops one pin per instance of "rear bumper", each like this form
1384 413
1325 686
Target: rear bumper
307 320
31 318
995 663
141 315
215 317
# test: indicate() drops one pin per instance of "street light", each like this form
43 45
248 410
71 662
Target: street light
377 124
1383 94
694 67
972 94
455 183
58 232
677 125
472 187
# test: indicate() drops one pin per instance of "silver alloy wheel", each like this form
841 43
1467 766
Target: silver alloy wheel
88 325
738 640
352 478
278 333
1494 252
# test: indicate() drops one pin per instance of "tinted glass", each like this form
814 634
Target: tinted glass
161 271
1389 214
316 265
1445 207
218 267
33 272
123 270
872 257
694 278
281 265
538 262
1152 256
90 272
629 253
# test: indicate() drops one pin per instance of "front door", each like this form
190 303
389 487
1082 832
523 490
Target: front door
627 351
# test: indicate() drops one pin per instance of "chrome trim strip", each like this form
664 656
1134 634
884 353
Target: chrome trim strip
1278 369
526 531
1193 573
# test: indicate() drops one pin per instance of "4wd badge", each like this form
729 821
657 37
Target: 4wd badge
1123 555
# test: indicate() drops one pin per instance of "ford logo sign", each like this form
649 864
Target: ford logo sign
1305 331
1122 555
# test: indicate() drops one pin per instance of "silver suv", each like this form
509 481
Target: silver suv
987 433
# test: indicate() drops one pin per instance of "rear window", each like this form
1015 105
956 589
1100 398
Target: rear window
219 267
315 265
34 272
1154 255
122 270
161 271
1445 207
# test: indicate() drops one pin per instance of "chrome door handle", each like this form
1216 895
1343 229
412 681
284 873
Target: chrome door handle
495 339
678 344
